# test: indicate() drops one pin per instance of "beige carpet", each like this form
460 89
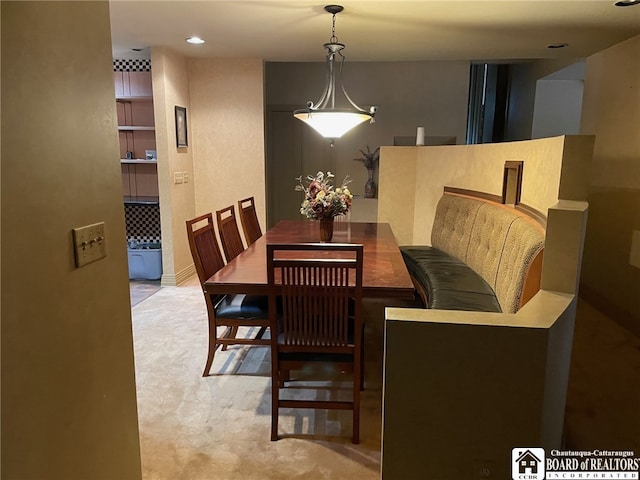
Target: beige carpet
603 402
139 290
218 427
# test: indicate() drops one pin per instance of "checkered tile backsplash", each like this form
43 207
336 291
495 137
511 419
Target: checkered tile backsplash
143 222
131 65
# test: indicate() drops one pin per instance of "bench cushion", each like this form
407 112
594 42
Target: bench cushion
494 240
450 284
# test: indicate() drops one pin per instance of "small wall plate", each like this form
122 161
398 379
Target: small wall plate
89 244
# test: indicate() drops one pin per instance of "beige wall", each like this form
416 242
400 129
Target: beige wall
177 201
413 178
68 387
611 111
483 383
227 113
224 159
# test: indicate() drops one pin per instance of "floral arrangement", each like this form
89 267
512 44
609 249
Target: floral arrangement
369 159
321 200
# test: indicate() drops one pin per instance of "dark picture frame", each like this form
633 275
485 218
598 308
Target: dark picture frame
181 126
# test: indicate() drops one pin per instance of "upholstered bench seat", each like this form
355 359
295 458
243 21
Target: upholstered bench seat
450 284
483 257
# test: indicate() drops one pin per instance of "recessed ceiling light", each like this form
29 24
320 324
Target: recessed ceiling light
627 3
195 40
558 45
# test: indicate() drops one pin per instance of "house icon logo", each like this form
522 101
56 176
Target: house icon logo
527 464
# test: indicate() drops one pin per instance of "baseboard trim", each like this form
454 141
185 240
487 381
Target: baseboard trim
173 280
606 306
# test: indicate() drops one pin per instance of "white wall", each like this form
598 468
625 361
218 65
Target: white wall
522 94
557 108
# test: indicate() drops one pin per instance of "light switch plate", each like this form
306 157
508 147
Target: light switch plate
89 244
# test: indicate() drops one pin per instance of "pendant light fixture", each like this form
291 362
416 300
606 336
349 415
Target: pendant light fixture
325 116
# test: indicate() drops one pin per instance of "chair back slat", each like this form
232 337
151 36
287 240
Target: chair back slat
205 250
249 220
315 304
315 295
229 233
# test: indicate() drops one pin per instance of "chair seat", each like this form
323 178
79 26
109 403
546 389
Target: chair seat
242 306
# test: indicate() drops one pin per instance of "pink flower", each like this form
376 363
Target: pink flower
314 188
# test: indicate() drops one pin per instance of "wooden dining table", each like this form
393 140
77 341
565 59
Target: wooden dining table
384 271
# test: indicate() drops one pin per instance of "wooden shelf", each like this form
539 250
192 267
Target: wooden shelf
133 99
137 160
135 127
141 200
136 134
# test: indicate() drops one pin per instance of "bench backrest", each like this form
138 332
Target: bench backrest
500 243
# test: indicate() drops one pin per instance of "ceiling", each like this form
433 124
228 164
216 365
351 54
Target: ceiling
294 31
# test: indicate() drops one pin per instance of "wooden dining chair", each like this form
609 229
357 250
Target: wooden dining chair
311 290
229 233
230 311
249 220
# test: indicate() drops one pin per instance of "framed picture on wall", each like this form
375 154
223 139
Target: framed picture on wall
181 126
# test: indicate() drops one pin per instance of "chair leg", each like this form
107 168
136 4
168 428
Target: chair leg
207 367
362 362
275 394
234 332
356 407
212 346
